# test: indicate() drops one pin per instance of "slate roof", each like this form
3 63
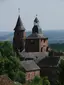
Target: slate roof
36 56
36 28
5 80
36 36
36 31
49 61
19 24
29 65
36 20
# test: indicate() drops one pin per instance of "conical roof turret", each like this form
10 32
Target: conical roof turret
19 25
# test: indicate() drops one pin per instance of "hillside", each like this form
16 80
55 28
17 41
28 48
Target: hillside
9 36
57 46
53 36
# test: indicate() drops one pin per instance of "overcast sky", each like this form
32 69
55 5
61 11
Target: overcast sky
50 13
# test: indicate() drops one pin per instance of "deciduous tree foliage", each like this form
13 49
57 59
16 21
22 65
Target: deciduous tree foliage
46 81
40 81
6 49
9 63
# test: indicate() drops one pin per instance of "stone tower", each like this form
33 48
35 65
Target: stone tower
19 35
36 42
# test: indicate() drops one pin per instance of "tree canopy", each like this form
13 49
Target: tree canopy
9 63
61 73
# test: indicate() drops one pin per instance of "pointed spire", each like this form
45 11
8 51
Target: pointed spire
19 24
36 28
36 19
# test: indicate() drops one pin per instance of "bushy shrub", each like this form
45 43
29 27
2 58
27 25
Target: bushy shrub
45 81
20 77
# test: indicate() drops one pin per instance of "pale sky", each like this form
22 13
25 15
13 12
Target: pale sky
50 14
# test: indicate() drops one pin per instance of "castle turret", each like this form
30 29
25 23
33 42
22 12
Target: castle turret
36 28
36 42
19 35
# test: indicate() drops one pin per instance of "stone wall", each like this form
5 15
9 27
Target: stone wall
32 74
32 45
43 44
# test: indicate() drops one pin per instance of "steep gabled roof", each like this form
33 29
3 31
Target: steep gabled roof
19 24
49 61
29 65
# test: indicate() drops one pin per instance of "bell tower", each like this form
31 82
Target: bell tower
19 35
36 42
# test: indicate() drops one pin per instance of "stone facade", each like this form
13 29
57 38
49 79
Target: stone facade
31 69
19 35
36 42
36 45
43 44
31 75
32 45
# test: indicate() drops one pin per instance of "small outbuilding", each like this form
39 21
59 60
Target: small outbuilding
31 69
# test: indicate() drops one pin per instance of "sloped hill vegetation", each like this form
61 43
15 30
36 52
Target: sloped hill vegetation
57 47
10 63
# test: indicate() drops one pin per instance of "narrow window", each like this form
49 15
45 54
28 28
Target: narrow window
41 49
44 40
41 40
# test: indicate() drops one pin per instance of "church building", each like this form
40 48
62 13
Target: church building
33 50
35 42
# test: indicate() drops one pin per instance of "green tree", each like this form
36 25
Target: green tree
20 77
46 81
6 49
9 63
36 81
9 66
61 73
39 81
